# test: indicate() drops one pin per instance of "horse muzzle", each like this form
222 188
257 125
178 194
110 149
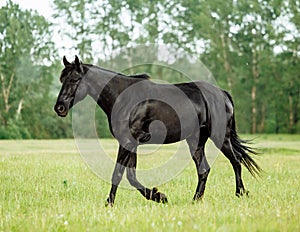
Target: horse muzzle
61 109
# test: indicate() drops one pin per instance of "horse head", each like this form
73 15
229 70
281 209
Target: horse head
73 90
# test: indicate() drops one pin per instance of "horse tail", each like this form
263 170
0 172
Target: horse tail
242 149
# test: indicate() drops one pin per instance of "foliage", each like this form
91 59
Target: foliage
26 71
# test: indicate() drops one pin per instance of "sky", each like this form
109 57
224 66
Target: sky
42 6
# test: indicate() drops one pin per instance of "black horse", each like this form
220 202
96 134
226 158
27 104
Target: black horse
193 111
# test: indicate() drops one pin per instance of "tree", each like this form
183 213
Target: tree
24 48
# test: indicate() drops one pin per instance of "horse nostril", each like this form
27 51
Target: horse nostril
61 108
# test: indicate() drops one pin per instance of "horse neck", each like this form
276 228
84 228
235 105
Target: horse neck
105 86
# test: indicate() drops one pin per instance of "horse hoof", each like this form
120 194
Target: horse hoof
144 137
158 196
109 204
242 193
163 198
198 197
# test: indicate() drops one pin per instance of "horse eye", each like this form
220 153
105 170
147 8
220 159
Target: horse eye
73 81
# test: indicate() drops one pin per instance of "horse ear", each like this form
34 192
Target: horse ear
78 64
65 61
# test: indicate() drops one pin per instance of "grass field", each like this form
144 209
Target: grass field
45 186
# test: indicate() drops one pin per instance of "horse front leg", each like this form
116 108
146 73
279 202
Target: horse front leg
122 161
149 194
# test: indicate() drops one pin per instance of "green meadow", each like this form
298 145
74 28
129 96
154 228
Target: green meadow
46 186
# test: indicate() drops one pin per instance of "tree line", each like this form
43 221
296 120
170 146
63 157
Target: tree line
250 46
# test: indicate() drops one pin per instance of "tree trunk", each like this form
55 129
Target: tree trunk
20 106
6 91
226 62
255 75
291 114
263 119
253 109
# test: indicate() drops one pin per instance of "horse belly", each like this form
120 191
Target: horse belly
169 125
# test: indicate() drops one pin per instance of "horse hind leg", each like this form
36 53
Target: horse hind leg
203 171
235 161
197 151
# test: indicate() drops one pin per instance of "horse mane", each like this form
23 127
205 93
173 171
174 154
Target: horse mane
137 76
141 76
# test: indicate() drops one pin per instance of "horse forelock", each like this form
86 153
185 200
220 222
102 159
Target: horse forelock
65 72
69 68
